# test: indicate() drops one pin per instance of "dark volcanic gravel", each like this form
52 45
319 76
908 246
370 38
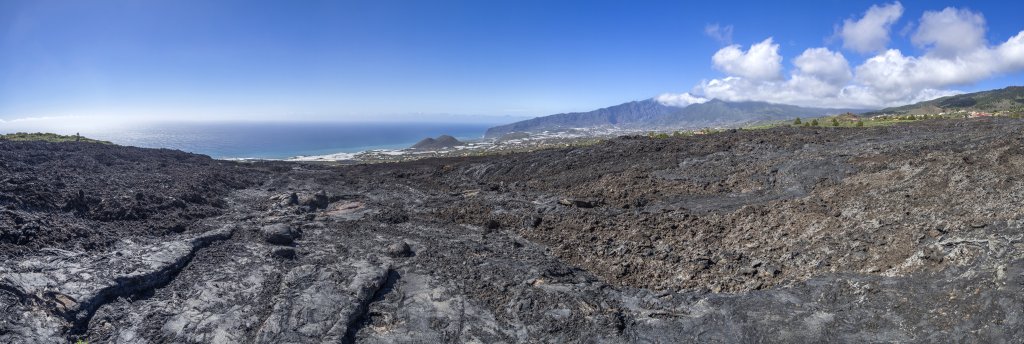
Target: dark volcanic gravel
909 234
86 196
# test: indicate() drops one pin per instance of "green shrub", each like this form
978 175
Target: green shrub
797 121
814 122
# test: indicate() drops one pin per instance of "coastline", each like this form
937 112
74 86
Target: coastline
515 143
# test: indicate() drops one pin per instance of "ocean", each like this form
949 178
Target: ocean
278 140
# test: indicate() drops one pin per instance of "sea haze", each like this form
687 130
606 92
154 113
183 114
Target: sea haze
278 140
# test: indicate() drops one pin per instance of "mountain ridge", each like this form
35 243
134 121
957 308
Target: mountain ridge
652 114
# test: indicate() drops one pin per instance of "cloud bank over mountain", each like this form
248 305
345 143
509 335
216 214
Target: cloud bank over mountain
954 52
680 100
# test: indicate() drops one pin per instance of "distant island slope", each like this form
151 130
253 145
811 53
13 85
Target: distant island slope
652 114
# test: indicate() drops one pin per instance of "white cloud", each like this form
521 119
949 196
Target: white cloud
1011 53
680 100
761 62
950 32
824 64
819 74
871 32
893 72
722 34
823 78
955 53
806 91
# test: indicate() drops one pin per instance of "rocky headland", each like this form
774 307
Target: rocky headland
441 142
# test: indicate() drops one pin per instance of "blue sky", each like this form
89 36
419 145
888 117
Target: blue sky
362 60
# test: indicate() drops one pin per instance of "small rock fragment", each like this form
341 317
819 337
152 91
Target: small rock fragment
533 221
577 203
284 252
64 302
768 271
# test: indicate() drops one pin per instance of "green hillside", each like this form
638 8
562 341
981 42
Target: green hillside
1006 101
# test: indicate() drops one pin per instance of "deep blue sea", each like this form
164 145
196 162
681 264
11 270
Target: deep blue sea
273 140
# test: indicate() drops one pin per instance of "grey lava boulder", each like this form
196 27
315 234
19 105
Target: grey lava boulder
399 249
318 200
280 234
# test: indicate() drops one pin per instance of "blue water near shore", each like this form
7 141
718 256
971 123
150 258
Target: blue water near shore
266 140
